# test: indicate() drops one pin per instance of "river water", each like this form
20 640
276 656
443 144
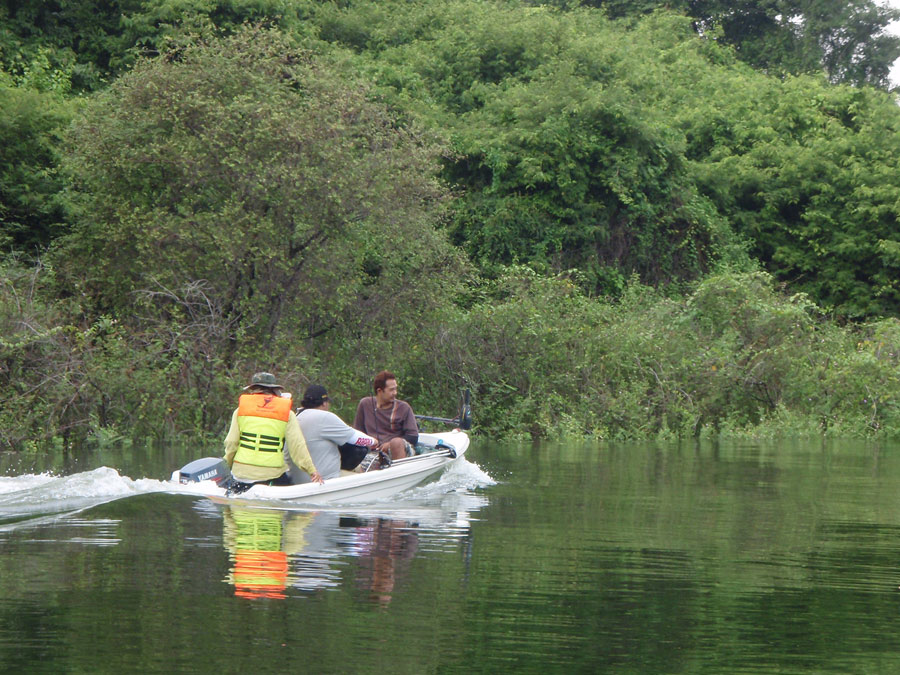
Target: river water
579 557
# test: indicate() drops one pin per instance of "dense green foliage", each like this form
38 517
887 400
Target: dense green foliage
93 41
31 210
610 228
848 39
577 150
561 161
199 171
808 173
733 354
215 227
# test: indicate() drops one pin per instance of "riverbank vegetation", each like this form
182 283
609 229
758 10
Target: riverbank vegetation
625 225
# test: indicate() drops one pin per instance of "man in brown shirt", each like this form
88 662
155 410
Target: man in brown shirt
387 418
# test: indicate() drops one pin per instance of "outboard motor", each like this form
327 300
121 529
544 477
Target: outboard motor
205 468
465 412
463 419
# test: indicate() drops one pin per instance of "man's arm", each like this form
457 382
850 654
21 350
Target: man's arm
364 440
232 439
334 429
410 427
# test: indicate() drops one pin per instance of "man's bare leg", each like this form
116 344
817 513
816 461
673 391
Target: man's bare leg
396 448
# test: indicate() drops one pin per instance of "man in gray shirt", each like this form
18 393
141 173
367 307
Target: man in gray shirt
325 432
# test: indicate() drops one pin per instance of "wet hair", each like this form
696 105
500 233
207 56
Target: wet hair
381 380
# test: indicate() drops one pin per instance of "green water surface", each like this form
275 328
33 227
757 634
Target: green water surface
781 557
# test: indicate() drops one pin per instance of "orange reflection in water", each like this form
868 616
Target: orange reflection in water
260 574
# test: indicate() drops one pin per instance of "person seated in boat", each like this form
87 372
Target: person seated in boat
387 418
263 425
332 444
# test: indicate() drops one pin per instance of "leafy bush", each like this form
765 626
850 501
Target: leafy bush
733 356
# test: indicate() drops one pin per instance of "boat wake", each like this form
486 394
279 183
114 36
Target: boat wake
460 476
23 498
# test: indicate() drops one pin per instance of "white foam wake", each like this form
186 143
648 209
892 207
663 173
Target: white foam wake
37 494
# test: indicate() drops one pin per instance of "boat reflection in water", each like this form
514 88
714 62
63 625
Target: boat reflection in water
273 552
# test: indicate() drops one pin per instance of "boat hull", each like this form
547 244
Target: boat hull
403 474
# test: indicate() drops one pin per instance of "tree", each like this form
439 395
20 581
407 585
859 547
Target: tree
845 38
852 36
848 39
807 171
77 37
266 174
561 160
564 173
96 40
580 144
31 207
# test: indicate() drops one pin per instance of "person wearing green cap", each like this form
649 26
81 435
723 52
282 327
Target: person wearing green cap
261 426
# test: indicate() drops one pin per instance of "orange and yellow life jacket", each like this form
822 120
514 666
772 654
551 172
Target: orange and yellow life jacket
262 420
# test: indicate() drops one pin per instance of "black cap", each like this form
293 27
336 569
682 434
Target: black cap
314 396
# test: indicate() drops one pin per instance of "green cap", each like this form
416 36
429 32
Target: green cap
263 380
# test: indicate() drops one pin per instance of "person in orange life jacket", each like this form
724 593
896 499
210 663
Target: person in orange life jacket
387 418
261 426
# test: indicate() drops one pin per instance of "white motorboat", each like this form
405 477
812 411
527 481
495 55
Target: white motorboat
209 477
